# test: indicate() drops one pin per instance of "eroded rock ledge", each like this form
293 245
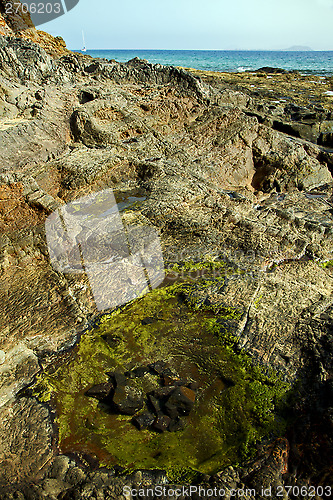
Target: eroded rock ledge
218 180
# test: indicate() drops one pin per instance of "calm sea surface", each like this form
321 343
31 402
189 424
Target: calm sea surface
320 63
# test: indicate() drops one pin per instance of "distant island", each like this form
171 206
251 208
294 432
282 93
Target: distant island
299 48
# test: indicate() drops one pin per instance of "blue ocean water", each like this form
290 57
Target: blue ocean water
316 62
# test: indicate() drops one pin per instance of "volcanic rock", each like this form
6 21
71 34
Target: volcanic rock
100 391
158 367
127 399
143 420
118 378
177 424
138 372
162 393
180 402
162 423
156 404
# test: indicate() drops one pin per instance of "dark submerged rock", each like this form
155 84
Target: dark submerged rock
164 405
148 321
162 423
176 424
138 372
194 386
144 420
100 391
118 378
180 402
158 367
156 404
163 393
127 399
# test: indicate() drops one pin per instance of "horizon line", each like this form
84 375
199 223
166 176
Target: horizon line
215 50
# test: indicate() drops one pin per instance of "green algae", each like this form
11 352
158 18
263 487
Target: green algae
236 403
327 264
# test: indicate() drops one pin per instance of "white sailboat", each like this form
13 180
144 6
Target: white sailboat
84 49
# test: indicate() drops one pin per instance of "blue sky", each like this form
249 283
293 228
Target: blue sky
197 24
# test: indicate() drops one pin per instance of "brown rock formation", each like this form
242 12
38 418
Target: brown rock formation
20 25
15 22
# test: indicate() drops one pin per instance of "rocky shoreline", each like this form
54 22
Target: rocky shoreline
225 175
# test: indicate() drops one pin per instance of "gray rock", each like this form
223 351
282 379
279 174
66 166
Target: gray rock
284 164
19 366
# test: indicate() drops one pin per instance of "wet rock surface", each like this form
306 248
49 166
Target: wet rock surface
223 172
